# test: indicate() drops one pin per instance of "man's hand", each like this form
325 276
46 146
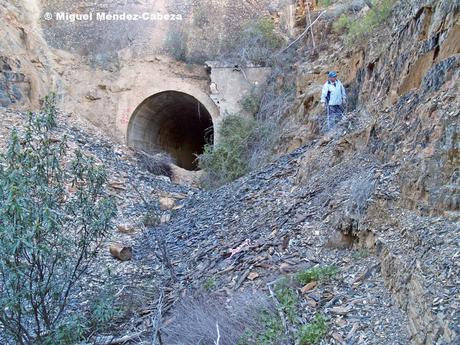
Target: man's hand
323 104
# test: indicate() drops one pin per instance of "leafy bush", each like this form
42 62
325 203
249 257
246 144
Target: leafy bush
229 159
272 329
313 332
260 42
342 24
361 253
210 284
264 28
357 29
289 300
269 331
316 274
53 218
151 218
104 309
250 104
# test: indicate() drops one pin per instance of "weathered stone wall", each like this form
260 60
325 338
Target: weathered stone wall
99 39
231 85
200 28
108 99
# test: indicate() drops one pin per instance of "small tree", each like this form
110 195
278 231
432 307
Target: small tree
228 160
53 217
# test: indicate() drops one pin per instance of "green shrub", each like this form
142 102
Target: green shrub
264 27
151 218
380 11
53 219
289 300
228 160
342 24
250 104
70 332
104 309
316 274
210 284
256 44
270 331
361 253
313 332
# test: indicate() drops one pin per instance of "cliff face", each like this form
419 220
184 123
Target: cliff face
26 72
403 135
404 81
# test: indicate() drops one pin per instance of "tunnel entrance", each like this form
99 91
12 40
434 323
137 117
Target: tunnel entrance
173 122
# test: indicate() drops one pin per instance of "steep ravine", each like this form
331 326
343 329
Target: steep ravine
387 180
378 197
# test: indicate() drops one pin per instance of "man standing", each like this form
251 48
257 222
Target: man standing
333 97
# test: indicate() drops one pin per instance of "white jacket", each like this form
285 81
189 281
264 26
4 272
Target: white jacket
337 93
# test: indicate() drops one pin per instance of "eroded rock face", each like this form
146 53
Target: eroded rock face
401 156
12 84
99 37
26 67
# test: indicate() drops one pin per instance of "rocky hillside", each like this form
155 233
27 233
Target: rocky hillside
386 181
352 235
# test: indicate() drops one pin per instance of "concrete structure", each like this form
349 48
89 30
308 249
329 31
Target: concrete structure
231 84
158 104
175 122
182 119
116 74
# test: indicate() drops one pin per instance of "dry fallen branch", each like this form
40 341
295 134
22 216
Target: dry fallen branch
303 33
218 334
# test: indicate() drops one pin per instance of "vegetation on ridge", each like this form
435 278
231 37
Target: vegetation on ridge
356 29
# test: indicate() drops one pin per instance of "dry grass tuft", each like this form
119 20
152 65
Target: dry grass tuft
196 320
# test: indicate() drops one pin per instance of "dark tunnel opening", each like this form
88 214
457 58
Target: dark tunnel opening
173 122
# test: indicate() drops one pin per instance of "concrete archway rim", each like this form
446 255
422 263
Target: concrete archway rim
194 92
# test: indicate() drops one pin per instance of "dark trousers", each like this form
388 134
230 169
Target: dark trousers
334 115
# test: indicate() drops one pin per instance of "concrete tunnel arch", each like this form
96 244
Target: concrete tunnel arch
173 122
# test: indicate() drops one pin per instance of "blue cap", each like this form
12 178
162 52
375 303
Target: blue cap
332 74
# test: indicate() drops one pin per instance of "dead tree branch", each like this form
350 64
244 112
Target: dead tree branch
303 33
